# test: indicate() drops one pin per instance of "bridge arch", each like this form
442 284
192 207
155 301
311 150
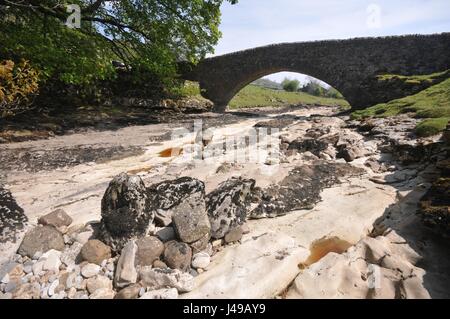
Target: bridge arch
350 66
249 80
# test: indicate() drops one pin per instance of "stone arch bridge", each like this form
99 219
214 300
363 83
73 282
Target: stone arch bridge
350 66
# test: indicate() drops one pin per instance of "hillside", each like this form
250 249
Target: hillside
268 84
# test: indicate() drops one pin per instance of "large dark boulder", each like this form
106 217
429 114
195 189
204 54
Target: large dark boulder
126 212
181 202
227 206
165 197
190 220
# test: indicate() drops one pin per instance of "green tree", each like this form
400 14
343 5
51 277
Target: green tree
147 35
314 87
290 85
333 93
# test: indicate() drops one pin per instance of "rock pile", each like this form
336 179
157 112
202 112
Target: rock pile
56 260
150 242
326 144
398 138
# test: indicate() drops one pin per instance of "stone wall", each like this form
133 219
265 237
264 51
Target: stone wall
350 66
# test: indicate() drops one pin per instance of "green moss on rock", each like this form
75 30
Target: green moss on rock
433 126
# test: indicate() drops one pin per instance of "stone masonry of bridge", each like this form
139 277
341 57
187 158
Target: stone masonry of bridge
350 66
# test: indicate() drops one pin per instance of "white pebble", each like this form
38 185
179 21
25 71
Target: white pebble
90 270
201 260
5 279
37 268
52 287
52 261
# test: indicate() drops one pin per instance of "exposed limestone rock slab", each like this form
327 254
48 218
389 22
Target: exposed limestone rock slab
368 270
265 266
259 268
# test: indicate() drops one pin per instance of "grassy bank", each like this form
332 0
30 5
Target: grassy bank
254 96
431 104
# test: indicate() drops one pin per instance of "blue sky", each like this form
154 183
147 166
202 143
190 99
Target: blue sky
252 23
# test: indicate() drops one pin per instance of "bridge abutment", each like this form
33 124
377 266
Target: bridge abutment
219 108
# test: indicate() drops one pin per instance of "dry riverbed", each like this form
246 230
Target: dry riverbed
333 213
